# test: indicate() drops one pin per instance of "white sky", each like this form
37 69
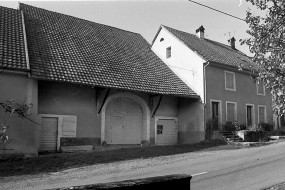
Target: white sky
146 16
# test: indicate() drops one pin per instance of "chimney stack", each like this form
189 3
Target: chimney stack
200 32
232 42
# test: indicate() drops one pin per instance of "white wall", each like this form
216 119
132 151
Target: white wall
183 61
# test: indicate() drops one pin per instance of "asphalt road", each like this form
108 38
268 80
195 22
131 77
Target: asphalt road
252 168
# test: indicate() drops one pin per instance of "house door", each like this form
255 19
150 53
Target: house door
166 132
49 133
215 115
249 113
123 122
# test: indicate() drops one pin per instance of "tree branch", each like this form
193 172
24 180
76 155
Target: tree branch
19 113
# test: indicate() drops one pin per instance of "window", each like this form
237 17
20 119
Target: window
231 114
261 114
230 83
168 52
159 129
260 88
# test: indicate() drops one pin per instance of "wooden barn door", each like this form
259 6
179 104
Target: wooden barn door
123 122
49 133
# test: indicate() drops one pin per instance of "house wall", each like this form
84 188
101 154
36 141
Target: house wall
71 99
23 134
183 62
246 93
191 121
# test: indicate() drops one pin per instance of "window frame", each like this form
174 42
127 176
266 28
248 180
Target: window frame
258 88
265 115
168 52
234 80
235 110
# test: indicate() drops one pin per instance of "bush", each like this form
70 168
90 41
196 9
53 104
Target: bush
234 126
262 127
267 126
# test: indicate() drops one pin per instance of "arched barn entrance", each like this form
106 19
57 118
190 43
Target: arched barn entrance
123 121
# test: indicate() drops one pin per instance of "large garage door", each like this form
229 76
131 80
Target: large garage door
123 122
49 132
166 132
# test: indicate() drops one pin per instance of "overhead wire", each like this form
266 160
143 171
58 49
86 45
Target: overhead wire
216 10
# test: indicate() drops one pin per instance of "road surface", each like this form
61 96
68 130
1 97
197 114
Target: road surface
250 168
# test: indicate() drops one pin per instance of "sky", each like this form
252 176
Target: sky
145 16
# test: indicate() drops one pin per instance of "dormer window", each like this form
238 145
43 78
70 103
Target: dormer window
168 52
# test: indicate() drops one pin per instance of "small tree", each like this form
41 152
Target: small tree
267 43
13 108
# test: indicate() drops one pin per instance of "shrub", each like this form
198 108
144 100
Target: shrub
266 126
262 127
234 126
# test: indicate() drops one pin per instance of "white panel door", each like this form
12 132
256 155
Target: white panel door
125 125
166 132
117 131
49 132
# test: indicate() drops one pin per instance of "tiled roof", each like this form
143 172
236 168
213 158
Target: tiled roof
69 49
12 44
213 51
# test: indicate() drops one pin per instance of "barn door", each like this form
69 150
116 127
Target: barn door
53 127
49 134
123 121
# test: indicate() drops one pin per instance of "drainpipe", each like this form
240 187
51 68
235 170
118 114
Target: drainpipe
205 90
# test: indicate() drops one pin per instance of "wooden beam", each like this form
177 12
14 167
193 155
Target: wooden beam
105 98
160 98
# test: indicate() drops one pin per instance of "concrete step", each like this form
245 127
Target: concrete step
76 148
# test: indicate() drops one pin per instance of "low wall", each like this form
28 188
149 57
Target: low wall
76 141
178 181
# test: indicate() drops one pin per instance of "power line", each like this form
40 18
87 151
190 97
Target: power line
216 10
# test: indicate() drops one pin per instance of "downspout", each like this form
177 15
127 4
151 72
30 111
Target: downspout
205 91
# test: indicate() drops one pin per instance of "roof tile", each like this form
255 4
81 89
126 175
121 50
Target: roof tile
70 49
212 50
12 45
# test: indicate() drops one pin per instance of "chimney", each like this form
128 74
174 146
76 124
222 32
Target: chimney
232 42
200 32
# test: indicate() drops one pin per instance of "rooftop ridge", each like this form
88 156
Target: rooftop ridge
76 18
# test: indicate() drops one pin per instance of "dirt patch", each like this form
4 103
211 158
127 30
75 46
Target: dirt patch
57 162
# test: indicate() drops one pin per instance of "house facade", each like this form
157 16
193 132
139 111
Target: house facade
219 73
91 84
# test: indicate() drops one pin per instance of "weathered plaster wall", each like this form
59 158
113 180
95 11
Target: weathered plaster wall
191 121
246 93
22 133
71 99
183 61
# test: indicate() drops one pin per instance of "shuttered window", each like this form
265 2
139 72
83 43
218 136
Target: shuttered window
168 52
231 111
230 81
261 114
260 88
